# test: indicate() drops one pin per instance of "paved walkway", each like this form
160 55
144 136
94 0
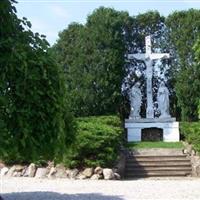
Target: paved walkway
62 189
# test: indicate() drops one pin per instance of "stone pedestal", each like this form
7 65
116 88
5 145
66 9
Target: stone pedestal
169 126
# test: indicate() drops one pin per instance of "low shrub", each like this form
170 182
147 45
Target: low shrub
191 133
97 142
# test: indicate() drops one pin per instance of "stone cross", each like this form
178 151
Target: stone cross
148 58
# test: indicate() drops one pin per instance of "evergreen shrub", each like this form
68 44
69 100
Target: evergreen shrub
97 142
191 132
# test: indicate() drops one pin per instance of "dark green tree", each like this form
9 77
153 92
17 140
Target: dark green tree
184 27
35 119
71 52
197 75
93 59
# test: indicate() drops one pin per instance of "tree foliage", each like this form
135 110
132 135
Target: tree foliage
35 120
197 75
92 56
184 27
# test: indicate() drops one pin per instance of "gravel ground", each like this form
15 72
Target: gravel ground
62 189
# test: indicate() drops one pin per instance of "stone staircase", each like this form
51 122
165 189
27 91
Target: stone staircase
157 163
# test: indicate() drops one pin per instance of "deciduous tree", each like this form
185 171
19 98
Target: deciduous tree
35 119
184 27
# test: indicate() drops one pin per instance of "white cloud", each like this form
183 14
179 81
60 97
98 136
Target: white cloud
59 11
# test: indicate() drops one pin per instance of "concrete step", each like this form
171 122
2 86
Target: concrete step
155 156
156 151
157 174
157 159
157 165
164 168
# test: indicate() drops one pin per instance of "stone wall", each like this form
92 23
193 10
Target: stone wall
58 171
194 157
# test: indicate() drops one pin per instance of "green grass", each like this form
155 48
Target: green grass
140 145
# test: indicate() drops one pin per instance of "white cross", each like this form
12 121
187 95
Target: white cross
148 58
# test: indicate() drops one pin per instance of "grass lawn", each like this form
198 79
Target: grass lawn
139 145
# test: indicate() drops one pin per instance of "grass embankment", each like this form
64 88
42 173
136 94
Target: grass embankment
140 145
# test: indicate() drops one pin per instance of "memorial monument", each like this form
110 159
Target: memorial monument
135 124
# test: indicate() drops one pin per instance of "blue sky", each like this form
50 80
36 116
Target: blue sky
49 17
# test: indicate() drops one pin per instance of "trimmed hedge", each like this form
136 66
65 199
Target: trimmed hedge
97 142
191 133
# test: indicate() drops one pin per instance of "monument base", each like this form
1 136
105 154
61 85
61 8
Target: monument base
169 126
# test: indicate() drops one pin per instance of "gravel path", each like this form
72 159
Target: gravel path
62 189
